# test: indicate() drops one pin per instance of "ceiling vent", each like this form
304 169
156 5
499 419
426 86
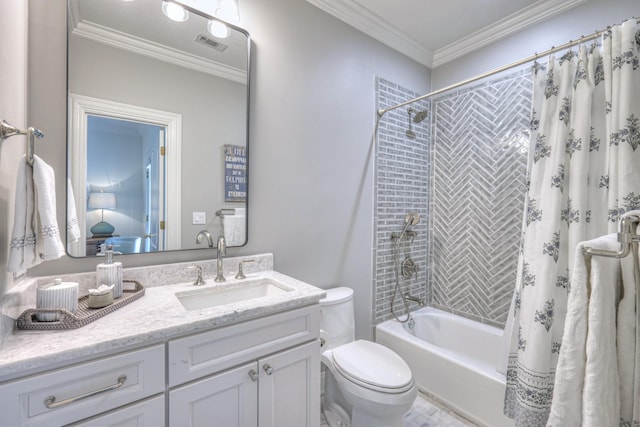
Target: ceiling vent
220 47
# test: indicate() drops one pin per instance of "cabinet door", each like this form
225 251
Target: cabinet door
148 413
228 399
289 388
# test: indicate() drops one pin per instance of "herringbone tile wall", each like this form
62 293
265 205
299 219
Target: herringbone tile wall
479 158
401 186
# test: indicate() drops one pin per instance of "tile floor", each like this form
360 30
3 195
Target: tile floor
427 413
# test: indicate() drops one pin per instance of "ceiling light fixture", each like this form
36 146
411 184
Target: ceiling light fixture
174 11
218 29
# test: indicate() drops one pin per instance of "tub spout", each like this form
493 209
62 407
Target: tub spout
417 300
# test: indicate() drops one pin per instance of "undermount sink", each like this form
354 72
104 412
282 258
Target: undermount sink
206 297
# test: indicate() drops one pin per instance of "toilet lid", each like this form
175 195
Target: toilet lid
372 365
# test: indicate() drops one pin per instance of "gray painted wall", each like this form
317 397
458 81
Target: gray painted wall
311 152
13 87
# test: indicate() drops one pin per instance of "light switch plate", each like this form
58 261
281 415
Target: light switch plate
199 218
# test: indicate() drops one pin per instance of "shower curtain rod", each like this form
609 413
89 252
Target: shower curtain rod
533 57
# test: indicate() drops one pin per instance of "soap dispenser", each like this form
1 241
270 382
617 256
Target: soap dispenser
110 273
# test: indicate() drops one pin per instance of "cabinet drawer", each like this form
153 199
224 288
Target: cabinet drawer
148 413
82 390
198 355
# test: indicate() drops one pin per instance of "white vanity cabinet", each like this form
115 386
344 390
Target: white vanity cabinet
264 372
84 390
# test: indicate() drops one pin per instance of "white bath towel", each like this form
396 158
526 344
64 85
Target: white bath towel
234 227
628 343
35 237
73 229
586 389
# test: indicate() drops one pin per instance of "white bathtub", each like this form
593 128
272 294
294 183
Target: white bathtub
455 360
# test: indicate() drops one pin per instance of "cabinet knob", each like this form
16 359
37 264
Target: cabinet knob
253 375
268 369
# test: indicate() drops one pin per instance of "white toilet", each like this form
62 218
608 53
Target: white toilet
366 384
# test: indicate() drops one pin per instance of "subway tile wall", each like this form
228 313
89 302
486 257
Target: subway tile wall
401 186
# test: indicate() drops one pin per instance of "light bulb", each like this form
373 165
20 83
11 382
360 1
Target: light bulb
228 11
174 11
218 29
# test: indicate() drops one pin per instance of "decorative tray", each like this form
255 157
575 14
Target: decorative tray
84 314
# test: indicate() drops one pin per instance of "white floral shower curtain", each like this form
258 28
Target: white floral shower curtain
584 172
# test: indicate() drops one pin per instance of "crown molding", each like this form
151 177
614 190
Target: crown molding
375 27
513 23
120 40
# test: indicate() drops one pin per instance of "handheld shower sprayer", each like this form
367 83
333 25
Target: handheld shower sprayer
412 218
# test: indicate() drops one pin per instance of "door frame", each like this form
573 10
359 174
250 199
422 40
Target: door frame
80 107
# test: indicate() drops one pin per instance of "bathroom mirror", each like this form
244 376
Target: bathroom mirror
158 128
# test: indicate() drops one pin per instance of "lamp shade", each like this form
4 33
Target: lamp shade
102 201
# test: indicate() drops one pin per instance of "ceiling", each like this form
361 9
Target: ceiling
433 32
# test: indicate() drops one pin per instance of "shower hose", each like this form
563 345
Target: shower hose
396 288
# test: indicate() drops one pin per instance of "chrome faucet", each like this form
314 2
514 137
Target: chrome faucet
222 251
199 280
206 234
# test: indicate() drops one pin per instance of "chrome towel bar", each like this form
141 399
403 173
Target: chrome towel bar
626 236
7 131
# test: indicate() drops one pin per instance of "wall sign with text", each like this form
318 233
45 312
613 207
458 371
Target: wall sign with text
235 173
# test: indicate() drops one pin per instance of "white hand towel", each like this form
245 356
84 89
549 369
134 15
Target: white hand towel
73 229
48 243
35 236
586 390
22 248
234 227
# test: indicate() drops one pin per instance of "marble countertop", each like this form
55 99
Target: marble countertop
155 317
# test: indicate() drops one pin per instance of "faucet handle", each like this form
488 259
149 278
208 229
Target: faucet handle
240 274
199 280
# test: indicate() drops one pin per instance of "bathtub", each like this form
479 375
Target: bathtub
453 359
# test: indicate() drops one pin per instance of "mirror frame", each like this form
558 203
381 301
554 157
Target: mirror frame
79 107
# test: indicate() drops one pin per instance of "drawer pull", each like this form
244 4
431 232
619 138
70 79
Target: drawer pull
50 402
253 375
268 369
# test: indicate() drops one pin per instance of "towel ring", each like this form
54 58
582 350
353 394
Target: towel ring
7 131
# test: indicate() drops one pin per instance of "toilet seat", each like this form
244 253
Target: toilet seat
372 366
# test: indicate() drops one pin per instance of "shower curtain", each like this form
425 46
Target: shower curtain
583 173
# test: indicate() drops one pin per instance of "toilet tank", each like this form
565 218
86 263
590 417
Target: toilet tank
337 320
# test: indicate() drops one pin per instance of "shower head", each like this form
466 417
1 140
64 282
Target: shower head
420 116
